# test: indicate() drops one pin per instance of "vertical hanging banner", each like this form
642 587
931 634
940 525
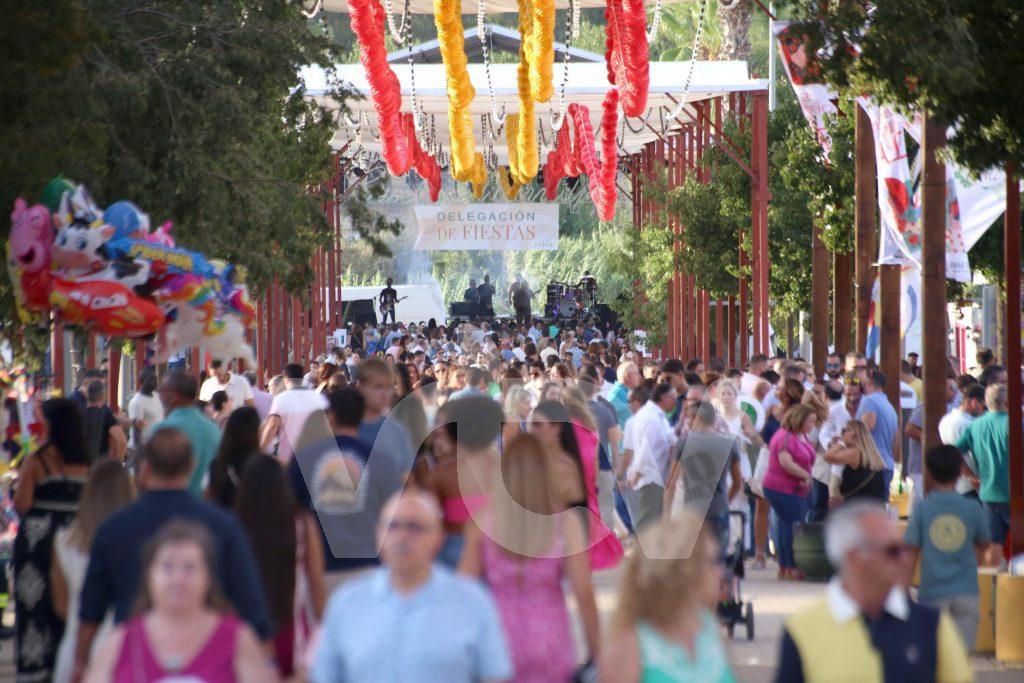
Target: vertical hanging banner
816 99
486 227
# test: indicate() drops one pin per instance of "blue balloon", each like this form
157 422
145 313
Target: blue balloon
173 259
126 218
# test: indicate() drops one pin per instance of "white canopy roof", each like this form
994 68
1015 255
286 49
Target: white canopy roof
588 83
468 6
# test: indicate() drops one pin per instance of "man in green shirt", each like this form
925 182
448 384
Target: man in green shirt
178 394
988 440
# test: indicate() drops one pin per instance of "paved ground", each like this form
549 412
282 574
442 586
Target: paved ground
754 660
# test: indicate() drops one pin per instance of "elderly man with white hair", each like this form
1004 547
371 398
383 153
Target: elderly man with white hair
411 620
867 629
629 378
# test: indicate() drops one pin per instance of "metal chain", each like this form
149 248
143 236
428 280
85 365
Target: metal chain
399 33
318 6
693 61
418 117
484 35
559 117
626 124
652 32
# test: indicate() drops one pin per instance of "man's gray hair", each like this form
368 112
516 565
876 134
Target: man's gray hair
843 530
995 397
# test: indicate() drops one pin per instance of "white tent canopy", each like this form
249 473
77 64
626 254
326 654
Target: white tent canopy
587 85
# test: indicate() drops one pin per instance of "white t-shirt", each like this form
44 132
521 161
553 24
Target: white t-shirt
237 388
294 407
149 409
547 352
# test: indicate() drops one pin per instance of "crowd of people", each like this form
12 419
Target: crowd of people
425 503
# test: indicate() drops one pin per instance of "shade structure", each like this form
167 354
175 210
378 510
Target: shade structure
587 85
469 6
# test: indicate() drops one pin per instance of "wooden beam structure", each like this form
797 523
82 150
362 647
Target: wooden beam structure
1011 264
865 205
819 300
933 281
842 302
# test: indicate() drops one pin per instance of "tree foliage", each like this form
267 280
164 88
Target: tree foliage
959 60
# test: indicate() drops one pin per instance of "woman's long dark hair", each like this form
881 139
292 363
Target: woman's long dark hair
67 430
266 509
240 441
553 411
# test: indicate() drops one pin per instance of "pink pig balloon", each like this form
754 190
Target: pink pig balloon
31 237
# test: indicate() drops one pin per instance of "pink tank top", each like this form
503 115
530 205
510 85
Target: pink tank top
460 510
215 662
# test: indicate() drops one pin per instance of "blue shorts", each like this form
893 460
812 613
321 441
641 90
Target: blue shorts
998 516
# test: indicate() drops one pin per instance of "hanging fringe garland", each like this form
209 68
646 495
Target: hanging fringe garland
400 148
521 128
626 53
508 186
571 158
541 56
467 164
367 20
423 163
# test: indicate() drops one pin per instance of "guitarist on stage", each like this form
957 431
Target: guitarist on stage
485 297
388 299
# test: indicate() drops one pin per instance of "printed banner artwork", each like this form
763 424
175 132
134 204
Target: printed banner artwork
486 227
816 98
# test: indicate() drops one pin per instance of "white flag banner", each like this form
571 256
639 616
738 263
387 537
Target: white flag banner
816 99
486 227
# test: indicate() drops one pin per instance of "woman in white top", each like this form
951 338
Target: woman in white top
108 489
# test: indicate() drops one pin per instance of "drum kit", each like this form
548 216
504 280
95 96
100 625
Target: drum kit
567 301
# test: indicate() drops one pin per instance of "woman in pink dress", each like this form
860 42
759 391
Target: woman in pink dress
529 545
605 548
183 632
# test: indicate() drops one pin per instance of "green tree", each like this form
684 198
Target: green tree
955 59
192 110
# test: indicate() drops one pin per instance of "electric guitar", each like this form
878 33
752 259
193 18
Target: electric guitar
386 304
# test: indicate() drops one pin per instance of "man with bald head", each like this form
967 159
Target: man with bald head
411 620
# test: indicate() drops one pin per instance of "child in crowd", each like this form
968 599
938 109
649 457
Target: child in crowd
948 532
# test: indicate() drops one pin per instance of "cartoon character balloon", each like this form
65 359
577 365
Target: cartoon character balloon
30 254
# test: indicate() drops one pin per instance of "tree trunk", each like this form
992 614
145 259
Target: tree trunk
734 18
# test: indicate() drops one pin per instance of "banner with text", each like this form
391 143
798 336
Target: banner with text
486 227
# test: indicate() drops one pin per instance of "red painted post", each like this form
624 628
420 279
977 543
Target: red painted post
57 358
90 351
113 375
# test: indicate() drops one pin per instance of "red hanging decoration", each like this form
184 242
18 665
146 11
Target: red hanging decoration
626 53
424 164
570 158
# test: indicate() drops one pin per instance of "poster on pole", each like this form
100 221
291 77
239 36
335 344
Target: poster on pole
486 227
815 97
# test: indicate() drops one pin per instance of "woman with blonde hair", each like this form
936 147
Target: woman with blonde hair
863 467
663 628
108 489
528 545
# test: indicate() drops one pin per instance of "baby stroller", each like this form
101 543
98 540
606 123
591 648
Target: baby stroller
731 609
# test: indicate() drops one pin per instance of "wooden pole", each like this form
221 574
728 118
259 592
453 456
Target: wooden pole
865 205
819 300
933 281
57 358
1011 262
842 301
113 375
889 344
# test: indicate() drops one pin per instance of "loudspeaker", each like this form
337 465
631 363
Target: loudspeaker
359 311
462 309
549 310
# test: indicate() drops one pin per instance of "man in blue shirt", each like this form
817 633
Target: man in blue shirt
112 579
178 394
629 378
880 418
411 621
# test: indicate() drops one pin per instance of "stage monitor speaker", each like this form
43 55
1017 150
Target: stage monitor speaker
361 311
462 309
549 309
606 315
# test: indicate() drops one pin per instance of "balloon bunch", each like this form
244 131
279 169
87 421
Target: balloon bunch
626 53
467 163
106 270
571 158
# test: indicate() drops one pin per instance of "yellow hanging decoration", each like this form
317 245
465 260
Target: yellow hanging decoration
467 164
541 55
508 186
520 129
